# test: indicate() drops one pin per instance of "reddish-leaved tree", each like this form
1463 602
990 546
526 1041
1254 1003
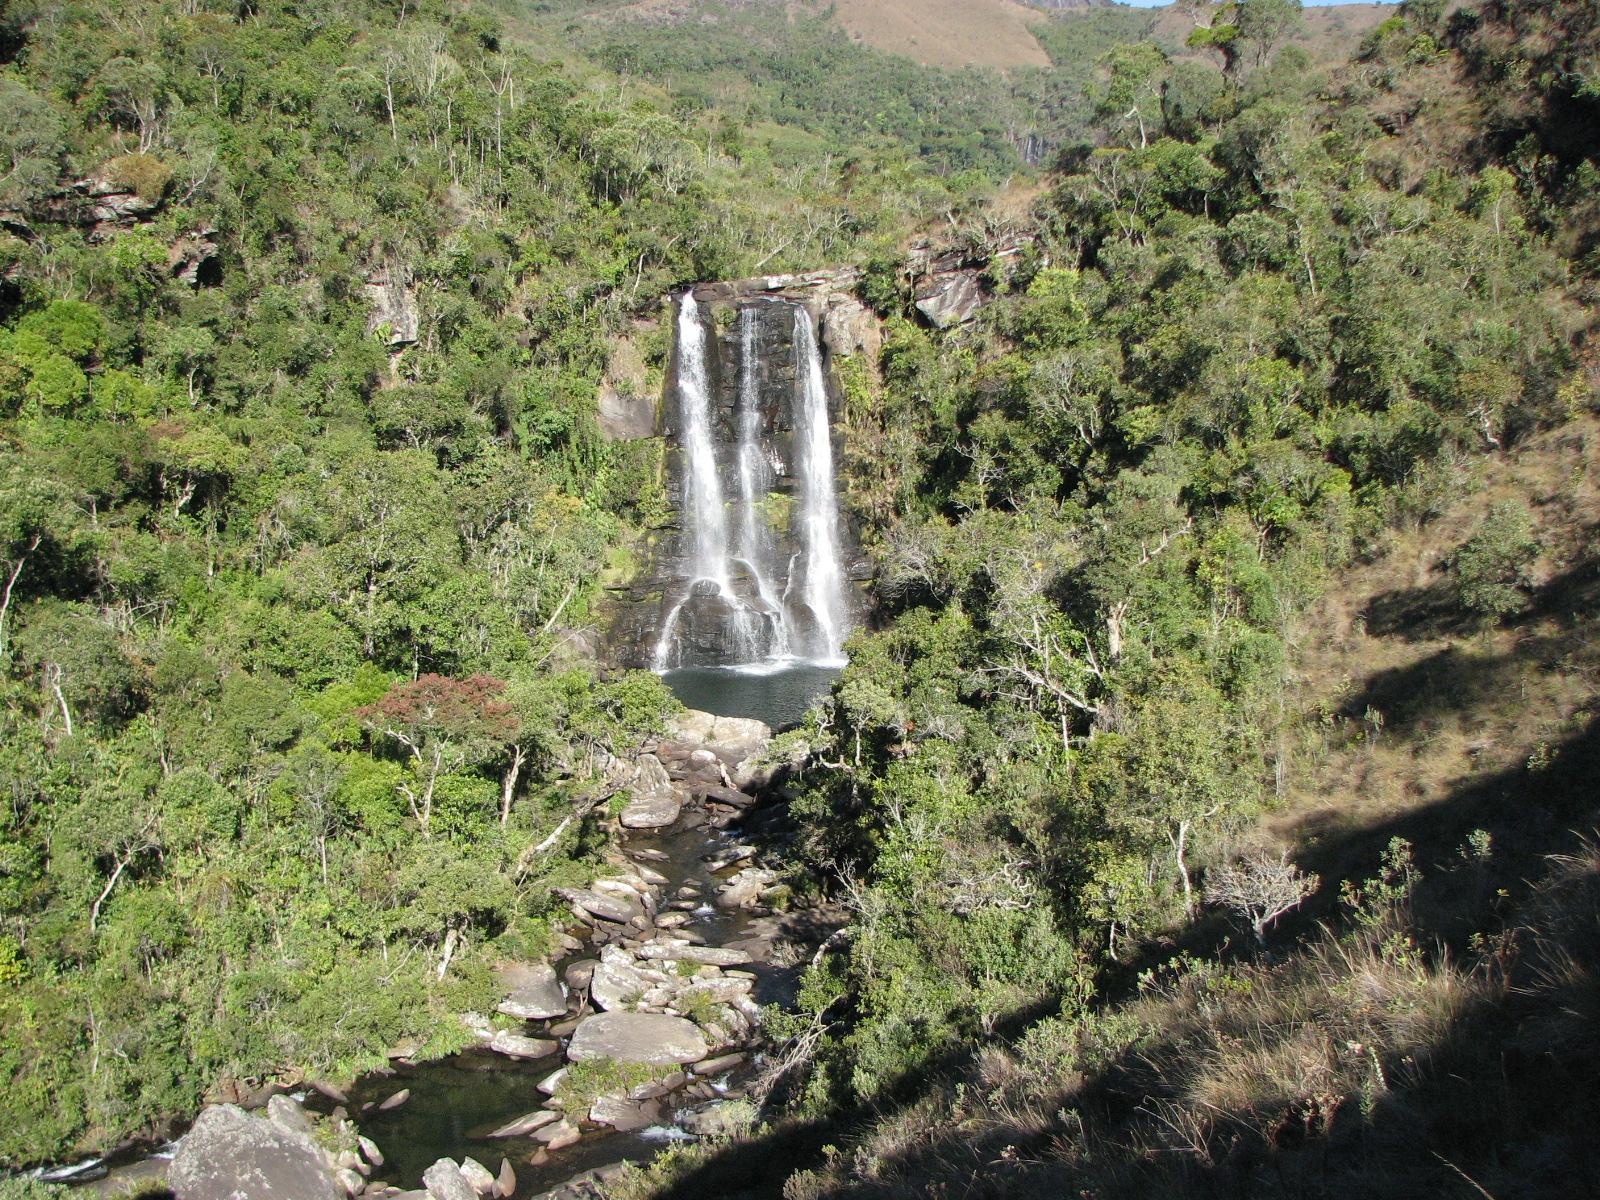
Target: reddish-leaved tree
445 725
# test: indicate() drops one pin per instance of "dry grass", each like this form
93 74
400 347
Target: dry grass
1415 703
948 33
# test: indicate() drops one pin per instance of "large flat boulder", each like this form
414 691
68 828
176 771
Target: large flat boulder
230 1155
515 1045
678 950
536 992
654 1039
737 737
652 810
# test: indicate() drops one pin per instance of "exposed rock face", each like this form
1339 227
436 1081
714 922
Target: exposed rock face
948 300
196 259
654 1039
230 1155
627 402
394 304
850 328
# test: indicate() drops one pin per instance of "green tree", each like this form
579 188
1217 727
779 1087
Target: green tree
1490 570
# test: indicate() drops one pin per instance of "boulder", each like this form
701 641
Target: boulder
745 888
623 1113
561 1134
653 809
396 1100
552 1082
287 1114
735 737
514 1045
230 1155
654 1039
615 985
536 993
718 1120
478 1176
716 1066
444 1181
524 1125
505 1183
620 909
732 797
578 973
678 950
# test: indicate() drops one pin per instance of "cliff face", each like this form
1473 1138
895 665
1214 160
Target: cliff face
753 366
731 620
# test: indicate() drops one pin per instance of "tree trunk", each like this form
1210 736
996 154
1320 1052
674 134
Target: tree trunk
11 582
53 674
508 785
1180 841
450 941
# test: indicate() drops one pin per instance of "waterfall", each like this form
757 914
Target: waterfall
823 591
707 517
755 481
728 609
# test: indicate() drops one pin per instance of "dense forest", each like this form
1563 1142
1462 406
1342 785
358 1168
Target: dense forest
305 512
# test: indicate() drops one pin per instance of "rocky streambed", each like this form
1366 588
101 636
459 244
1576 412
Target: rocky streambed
644 1029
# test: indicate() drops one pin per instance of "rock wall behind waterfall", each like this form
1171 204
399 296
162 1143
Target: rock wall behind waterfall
725 621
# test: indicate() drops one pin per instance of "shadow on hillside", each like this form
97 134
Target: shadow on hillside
1478 1103
1433 611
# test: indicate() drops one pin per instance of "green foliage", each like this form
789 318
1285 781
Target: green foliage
1099 518
1490 569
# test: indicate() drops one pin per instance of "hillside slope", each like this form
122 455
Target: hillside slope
947 33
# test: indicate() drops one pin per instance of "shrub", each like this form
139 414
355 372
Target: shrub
1490 569
145 175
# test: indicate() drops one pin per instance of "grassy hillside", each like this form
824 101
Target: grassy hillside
947 33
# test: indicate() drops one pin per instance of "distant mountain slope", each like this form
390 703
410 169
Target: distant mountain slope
948 33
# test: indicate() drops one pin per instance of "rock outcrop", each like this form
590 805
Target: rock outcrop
231 1155
653 1039
393 297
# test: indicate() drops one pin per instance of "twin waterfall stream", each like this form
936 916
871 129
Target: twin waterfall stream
763 579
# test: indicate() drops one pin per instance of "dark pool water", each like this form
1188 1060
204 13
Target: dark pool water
777 695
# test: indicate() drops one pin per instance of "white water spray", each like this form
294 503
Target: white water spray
823 591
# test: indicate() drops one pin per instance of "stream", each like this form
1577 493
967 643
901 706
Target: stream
456 1101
